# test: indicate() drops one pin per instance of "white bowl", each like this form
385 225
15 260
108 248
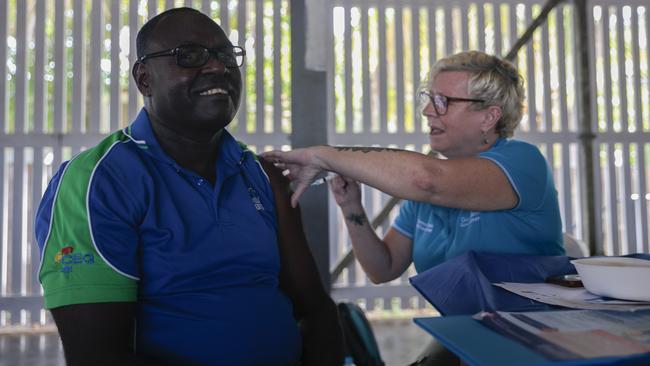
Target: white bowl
618 277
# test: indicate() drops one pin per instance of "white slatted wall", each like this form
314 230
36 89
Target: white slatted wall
382 49
67 84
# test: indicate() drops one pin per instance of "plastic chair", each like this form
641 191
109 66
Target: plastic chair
359 338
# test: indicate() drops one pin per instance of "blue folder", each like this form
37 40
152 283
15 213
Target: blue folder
463 285
478 345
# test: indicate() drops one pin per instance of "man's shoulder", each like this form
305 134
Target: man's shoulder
116 150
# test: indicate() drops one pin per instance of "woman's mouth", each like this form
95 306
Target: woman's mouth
436 131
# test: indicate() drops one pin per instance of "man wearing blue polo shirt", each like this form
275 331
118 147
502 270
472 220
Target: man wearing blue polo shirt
169 242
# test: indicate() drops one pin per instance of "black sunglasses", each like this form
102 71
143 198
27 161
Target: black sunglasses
192 55
441 102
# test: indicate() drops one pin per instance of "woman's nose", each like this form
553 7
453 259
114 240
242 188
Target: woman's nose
429 110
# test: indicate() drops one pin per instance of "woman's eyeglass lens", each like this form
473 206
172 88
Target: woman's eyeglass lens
441 102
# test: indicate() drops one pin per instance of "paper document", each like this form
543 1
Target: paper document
575 334
570 297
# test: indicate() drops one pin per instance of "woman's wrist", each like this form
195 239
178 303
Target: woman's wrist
319 156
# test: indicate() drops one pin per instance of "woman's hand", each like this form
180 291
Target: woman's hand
300 165
347 192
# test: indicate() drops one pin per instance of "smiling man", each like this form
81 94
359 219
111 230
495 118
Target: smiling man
169 242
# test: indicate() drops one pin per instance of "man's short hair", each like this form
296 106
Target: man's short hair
147 31
492 79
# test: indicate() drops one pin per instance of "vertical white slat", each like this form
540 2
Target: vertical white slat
640 222
647 37
365 69
498 38
133 52
33 287
642 245
607 72
205 7
567 195
449 30
188 3
383 70
512 25
39 67
347 55
626 201
170 4
331 107
641 207
399 67
612 210
224 15
622 84
3 89
20 98
431 14
480 32
79 67
531 96
59 108
415 55
4 215
152 10
96 78
547 108
561 67
277 68
241 30
464 28
17 230
636 79
115 116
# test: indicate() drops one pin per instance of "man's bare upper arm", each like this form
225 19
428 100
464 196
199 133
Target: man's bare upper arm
97 333
299 276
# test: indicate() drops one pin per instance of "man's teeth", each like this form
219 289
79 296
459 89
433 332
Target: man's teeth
214 91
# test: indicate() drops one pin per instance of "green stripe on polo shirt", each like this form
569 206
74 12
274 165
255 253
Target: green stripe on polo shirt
72 271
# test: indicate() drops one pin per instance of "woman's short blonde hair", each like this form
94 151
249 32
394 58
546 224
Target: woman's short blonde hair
494 80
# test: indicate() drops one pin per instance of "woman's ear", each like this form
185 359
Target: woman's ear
492 116
141 78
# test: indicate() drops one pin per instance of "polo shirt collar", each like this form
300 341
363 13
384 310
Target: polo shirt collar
141 133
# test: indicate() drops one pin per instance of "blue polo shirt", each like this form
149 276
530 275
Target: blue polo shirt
124 222
532 227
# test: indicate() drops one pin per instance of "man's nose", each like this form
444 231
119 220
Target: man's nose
214 66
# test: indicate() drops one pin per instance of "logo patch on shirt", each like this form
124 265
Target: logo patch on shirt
472 218
68 258
424 226
255 198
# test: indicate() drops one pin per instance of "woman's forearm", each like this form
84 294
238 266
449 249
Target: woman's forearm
371 252
400 173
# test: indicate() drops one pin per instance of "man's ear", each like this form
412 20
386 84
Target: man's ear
492 116
141 78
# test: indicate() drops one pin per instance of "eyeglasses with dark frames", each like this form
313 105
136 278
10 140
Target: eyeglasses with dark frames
441 102
190 56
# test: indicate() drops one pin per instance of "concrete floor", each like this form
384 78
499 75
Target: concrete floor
400 341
